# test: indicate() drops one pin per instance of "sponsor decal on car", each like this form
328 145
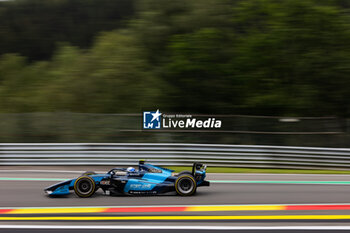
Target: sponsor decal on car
105 182
138 186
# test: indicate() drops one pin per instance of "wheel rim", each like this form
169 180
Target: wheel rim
84 186
186 185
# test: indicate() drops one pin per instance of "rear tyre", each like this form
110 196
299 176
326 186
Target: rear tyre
185 185
184 173
84 186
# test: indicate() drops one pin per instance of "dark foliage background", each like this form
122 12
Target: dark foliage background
255 57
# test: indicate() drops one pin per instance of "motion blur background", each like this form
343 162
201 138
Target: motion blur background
76 75
277 71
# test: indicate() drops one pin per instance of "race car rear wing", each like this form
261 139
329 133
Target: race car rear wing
198 167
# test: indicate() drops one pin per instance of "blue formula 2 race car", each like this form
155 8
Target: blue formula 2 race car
146 180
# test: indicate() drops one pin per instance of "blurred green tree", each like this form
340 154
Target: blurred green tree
33 28
270 57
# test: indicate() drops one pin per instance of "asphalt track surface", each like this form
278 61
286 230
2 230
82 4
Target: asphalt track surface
246 189
17 193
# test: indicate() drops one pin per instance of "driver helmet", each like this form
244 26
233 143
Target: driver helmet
130 169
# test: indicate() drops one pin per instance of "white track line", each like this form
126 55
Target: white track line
147 227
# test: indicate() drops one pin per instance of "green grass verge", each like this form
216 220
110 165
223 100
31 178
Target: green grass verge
260 170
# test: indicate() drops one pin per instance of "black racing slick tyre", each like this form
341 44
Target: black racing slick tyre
88 173
84 186
185 185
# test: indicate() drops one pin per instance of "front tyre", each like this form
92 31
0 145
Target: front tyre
84 186
185 185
